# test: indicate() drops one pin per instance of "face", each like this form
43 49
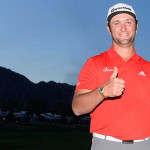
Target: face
123 29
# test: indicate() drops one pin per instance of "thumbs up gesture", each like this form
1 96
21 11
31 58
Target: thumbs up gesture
115 86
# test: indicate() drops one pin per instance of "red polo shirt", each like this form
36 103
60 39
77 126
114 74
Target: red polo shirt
126 117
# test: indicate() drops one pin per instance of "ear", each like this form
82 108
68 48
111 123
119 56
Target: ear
108 28
136 28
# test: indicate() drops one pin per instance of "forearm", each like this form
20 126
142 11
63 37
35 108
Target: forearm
86 102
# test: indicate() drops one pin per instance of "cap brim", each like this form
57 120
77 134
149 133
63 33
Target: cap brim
119 12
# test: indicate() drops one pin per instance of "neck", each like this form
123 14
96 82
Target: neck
125 52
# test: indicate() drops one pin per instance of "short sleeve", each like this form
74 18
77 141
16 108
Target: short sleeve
87 76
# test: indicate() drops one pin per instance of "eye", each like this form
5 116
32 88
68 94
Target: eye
116 23
129 22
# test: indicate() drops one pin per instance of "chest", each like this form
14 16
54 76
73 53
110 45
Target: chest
136 76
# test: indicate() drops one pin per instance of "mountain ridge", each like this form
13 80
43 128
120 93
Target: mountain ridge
19 93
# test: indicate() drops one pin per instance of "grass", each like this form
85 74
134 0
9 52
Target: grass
33 137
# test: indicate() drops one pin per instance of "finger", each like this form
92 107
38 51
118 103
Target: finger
115 73
119 85
119 91
118 80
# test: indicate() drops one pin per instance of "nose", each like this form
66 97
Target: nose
123 27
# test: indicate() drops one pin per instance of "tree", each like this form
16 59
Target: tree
37 105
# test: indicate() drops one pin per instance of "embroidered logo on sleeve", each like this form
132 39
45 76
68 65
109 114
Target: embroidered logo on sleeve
78 83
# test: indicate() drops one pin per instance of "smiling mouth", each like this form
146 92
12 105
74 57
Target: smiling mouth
124 34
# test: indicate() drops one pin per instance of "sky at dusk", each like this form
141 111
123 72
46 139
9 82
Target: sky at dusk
50 40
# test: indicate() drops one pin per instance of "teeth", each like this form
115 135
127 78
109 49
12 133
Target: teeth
124 34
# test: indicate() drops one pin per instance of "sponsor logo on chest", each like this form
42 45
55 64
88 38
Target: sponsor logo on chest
106 69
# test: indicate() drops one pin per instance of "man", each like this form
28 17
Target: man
114 87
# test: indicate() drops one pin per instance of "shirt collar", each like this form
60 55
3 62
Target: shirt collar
113 54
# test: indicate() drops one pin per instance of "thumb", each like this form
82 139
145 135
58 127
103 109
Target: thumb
115 73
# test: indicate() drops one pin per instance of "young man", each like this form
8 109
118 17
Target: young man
114 87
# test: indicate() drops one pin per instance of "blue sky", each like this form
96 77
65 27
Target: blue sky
50 40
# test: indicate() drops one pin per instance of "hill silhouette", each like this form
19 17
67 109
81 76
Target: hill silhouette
18 93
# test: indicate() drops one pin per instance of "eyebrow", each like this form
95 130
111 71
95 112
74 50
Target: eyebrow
129 19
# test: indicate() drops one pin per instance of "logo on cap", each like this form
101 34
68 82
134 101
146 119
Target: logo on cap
116 9
120 8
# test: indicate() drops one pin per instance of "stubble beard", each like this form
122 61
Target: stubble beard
124 42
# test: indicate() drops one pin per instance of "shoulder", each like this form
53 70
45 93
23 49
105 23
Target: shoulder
144 61
145 64
97 57
96 60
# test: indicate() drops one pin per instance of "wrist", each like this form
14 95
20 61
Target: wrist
101 91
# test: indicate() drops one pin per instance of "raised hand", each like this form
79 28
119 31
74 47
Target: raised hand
115 86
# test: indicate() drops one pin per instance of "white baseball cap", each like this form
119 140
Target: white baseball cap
120 8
